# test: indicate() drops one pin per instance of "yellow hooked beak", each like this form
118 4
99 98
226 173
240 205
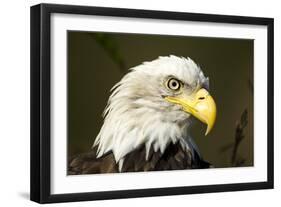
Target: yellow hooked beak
202 106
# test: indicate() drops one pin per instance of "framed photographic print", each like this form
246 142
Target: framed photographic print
133 103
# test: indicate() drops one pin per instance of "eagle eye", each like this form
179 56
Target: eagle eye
173 84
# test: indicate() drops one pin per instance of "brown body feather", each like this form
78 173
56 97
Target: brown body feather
174 158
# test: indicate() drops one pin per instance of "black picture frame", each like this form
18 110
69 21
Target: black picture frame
41 97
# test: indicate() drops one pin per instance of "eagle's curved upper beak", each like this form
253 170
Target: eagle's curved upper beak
201 105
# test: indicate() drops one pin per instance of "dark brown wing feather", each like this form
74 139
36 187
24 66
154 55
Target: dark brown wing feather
87 163
174 158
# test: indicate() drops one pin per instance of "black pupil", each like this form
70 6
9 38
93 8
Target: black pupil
173 84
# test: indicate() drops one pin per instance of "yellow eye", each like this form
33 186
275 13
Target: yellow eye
174 84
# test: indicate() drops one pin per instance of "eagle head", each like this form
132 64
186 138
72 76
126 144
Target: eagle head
153 105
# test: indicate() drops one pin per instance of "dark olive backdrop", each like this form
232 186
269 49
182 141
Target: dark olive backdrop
96 61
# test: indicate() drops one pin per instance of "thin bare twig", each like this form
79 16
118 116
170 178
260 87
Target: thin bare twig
239 136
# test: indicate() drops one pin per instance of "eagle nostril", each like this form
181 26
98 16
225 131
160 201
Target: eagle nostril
201 98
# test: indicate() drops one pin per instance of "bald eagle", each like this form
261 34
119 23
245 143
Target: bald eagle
147 120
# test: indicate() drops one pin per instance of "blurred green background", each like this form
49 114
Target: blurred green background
96 61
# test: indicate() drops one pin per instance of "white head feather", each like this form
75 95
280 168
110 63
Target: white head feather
137 114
